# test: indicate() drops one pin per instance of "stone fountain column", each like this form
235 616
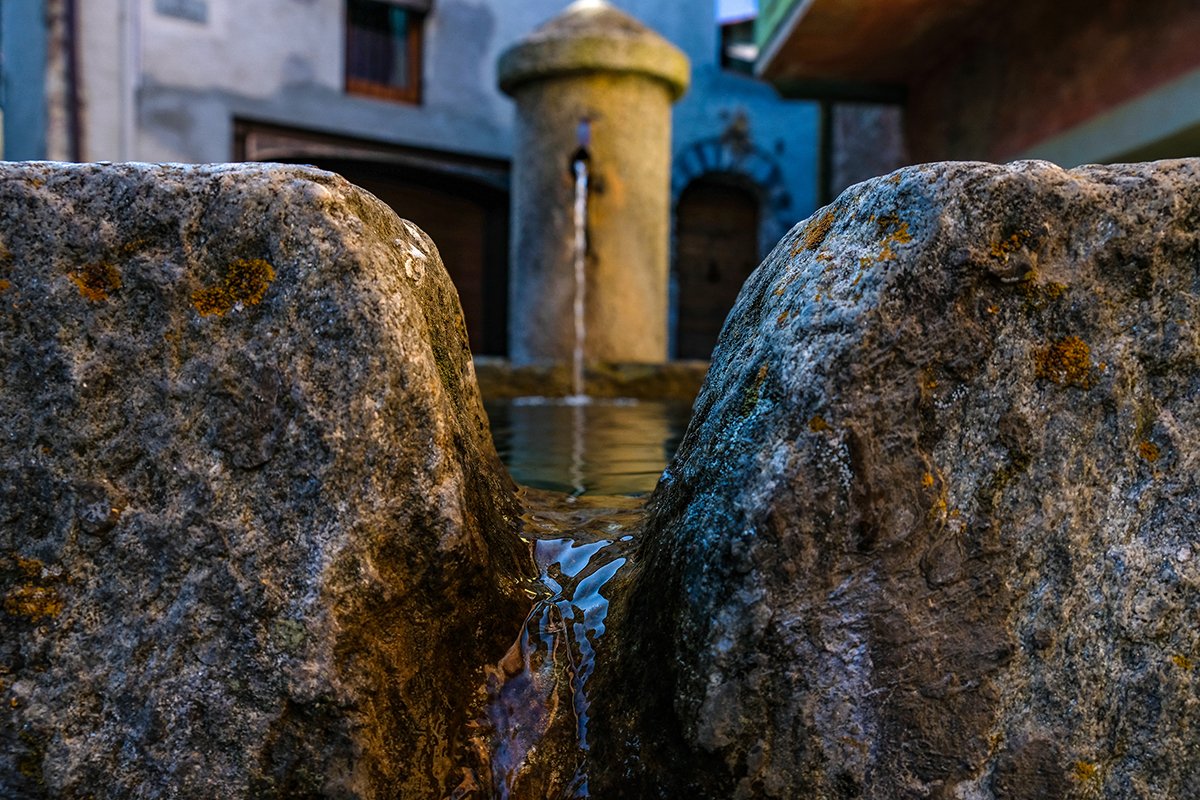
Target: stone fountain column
591 64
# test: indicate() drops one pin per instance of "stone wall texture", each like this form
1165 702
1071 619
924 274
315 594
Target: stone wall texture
254 539
933 530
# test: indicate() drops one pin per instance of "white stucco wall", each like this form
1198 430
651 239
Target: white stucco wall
159 88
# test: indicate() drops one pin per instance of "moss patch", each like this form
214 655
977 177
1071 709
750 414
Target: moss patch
29 567
245 283
1066 362
817 230
31 598
1084 771
1039 294
96 281
753 392
33 602
1001 248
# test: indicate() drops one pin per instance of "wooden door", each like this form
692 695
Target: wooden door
716 241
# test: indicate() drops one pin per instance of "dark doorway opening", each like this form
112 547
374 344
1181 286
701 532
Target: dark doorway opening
716 249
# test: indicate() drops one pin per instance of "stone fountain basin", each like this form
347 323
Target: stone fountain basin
616 440
673 381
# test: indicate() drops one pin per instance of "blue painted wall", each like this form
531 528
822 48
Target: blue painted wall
23 50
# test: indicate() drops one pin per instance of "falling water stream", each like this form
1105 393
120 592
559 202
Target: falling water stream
579 166
593 459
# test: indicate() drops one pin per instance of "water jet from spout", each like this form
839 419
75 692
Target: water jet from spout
579 167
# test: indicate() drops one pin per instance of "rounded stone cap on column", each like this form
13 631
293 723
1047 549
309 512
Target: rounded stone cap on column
591 36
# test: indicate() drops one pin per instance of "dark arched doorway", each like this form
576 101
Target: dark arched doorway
716 249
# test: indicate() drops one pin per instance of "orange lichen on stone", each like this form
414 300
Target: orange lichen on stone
33 602
1183 662
816 231
5 261
1039 293
1149 451
896 232
134 245
1084 771
787 281
892 231
1000 248
1067 362
818 424
894 228
939 509
245 283
1054 290
97 281
927 480
29 567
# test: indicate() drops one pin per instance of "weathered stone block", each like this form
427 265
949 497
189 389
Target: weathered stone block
933 530
254 538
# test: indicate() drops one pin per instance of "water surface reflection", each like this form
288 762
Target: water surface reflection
587 446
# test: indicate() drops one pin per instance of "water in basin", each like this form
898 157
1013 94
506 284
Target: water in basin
585 465
593 446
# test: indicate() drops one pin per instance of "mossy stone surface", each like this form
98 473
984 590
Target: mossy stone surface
254 537
924 537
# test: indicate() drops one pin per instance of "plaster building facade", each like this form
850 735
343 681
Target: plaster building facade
401 97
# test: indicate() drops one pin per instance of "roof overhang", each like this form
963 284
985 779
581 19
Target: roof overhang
864 43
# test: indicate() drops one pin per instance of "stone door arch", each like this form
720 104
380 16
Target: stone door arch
725 172
737 158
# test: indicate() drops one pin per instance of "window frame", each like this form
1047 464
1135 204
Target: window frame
414 47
